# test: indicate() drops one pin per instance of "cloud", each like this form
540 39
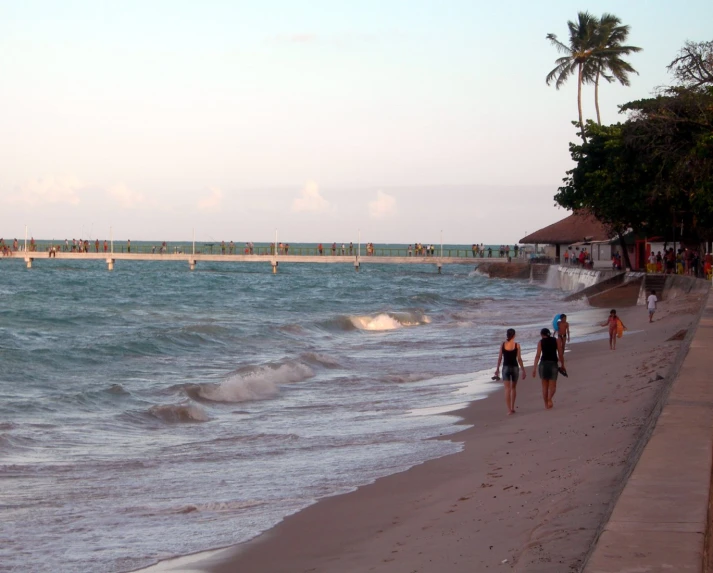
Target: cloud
48 191
383 206
301 38
310 200
213 201
125 197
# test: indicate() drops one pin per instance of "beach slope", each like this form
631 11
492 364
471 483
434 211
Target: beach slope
528 493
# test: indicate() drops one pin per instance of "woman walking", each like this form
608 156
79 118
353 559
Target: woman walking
512 362
550 350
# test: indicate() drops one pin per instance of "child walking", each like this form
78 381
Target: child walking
616 328
651 301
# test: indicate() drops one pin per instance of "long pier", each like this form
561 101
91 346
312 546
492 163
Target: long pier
273 260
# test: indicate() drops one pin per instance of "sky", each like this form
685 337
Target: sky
319 119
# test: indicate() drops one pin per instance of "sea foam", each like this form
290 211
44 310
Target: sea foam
389 321
254 383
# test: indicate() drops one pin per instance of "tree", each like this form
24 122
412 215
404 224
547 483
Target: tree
578 57
693 67
607 182
608 55
651 172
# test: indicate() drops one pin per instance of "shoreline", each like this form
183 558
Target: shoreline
517 495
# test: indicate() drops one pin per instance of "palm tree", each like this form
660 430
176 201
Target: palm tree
578 57
608 52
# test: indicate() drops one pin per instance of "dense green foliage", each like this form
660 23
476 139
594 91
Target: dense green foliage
654 171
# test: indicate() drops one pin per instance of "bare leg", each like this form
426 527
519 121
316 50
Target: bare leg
508 392
513 395
545 392
552 388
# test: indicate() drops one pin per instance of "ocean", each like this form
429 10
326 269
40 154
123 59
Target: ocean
152 411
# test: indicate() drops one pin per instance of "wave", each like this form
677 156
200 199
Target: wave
426 297
388 321
219 506
252 383
320 360
405 378
381 322
291 329
178 413
117 389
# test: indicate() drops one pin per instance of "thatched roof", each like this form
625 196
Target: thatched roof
573 229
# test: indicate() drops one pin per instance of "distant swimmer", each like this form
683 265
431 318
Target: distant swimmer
616 328
550 350
512 362
563 331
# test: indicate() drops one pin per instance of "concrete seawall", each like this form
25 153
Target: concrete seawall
517 269
661 520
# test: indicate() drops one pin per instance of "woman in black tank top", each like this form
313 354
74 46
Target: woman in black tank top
550 350
512 362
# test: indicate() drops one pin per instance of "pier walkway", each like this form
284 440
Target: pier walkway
274 261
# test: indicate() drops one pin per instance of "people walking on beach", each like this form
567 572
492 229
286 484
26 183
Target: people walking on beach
128 246
563 331
616 328
550 351
319 248
512 362
651 301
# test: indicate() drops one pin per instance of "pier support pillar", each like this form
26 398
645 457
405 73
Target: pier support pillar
110 264
28 262
192 264
274 267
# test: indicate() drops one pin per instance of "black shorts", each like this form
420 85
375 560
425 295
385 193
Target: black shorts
548 370
511 373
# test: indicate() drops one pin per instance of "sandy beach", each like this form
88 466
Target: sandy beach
528 493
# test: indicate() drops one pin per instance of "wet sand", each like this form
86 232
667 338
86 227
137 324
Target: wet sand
528 493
